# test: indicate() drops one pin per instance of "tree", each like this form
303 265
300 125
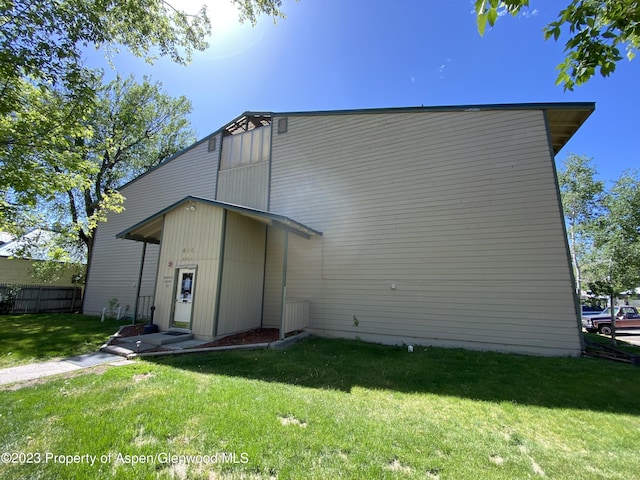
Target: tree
131 128
581 202
31 137
251 9
617 234
597 29
615 260
41 48
44 40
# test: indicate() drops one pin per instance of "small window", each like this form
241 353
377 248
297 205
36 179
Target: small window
283 125
213 143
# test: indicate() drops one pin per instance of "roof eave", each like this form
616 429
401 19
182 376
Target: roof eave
269 218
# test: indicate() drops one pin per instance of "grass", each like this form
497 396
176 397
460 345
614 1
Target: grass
333 409
621 344
30 338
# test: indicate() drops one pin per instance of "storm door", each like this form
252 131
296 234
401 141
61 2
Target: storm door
185 285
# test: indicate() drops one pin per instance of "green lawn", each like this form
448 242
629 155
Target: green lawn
332 409
29 338
621 344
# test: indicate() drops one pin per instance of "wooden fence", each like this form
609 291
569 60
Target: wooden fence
39 298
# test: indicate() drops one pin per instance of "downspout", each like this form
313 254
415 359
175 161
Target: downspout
139 285
284 283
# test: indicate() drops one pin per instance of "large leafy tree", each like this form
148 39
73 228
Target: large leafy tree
37 132
130 128
582 203
615 262
46 92
596 29
617 236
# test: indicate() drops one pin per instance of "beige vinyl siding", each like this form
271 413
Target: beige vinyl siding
114 268
242 275
190 239
271 311
307 257
18 271
246 185
458 210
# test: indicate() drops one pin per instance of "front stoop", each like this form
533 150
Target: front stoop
129 345
159 339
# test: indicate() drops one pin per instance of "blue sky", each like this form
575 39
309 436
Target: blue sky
337 54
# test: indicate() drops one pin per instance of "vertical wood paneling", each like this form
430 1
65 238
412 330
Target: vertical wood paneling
242 275
296 315
190 239
246 185
273 278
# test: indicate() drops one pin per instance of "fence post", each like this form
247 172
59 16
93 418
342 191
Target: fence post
38 300
73 301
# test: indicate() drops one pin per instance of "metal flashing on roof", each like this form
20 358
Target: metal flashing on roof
445 108
149 230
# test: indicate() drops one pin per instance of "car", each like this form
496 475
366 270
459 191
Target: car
591 310
626 316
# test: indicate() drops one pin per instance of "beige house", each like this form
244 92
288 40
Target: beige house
430 225
19 271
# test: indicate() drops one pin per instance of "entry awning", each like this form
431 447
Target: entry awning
149 230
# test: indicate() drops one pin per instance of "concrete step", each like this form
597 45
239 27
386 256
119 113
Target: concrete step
162 338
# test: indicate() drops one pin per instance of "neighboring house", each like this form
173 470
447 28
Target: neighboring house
5 238
15 270
429 225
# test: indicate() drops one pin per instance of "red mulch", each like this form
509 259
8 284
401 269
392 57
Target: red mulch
132 330
257 335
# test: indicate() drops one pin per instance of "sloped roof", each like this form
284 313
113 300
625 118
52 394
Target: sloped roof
31 238
149 230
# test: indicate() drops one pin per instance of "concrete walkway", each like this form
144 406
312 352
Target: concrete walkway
46 369
130 348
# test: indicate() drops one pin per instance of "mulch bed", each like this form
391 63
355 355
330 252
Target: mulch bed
132 330
257 335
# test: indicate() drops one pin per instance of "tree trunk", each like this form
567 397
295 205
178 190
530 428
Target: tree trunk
613 321
574 259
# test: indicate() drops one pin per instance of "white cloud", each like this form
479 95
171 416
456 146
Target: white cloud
443 67
529 13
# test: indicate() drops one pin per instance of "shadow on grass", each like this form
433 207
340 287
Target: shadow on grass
572 383
43 336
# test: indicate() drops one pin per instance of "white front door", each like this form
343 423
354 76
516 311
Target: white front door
184 298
